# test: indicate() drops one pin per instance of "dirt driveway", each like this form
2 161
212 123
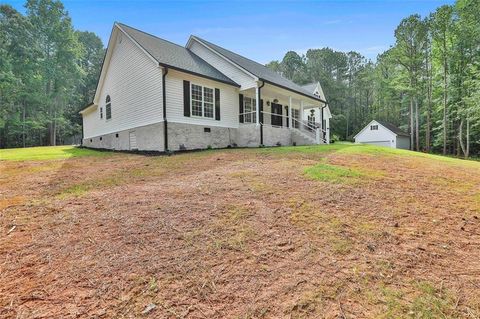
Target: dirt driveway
316 232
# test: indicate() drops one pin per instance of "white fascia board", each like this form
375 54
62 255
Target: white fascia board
138 45
363 129
88 109
110 47
192 38
387 129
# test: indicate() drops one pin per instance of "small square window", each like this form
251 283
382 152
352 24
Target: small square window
206 129
91 140
374 127
116 135
100 138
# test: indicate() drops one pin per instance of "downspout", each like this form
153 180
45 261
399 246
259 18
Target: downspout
259 103
164 100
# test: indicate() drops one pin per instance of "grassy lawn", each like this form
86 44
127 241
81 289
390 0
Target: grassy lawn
47 153
330 231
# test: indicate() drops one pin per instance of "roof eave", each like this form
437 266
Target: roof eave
87 108
294 91
199 75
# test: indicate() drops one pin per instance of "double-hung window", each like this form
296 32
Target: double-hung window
202 101
249 108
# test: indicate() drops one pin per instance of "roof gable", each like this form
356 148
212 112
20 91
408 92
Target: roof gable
257 69
389 127
172 55
315 87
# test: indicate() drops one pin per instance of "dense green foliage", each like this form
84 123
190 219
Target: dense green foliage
427 83
48 72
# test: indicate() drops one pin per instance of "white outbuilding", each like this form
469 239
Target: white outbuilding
383 134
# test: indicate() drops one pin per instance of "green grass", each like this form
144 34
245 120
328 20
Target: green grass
47 153
307 148
331 173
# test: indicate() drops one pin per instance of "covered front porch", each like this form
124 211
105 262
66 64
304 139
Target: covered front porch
283 115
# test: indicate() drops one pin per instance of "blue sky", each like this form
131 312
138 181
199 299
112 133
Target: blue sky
260 30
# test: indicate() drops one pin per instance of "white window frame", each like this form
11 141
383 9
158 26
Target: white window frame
374 127
108 105
252 118
203 101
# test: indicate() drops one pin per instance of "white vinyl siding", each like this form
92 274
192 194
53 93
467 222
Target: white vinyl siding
231 71
381 136
134 84
175 106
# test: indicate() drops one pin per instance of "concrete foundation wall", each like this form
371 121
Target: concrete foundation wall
276 136
190 137
148 138
247 135
299 139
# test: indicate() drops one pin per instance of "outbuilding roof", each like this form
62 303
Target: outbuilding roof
172 55
394 129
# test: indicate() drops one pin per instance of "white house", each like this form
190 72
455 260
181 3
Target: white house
320 116
383 134
159 96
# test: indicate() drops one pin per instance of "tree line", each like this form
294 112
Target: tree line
48 72
427 83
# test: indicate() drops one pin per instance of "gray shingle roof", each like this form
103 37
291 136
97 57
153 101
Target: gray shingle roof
394 129
175 56
259 70
310 87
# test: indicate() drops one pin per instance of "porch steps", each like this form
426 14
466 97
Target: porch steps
301 138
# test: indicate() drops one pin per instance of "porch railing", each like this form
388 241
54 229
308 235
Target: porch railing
312 130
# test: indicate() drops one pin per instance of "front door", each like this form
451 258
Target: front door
276 119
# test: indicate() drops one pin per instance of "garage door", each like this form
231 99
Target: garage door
379 143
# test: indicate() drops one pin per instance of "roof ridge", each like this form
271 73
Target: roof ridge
243 57
170 54
152 35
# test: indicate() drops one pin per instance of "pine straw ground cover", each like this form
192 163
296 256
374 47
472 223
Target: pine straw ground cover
335 231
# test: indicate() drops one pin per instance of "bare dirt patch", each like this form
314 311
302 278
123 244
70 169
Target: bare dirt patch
240 234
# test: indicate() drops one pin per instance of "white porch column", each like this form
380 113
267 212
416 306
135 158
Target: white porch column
301 111
257 113
290 112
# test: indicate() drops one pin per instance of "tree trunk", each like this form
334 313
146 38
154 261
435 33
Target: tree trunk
429 108
411 125
445 86
467 153
460 137
417 134
23 124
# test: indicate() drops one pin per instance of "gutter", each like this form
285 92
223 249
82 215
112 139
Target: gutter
164 106
259 101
